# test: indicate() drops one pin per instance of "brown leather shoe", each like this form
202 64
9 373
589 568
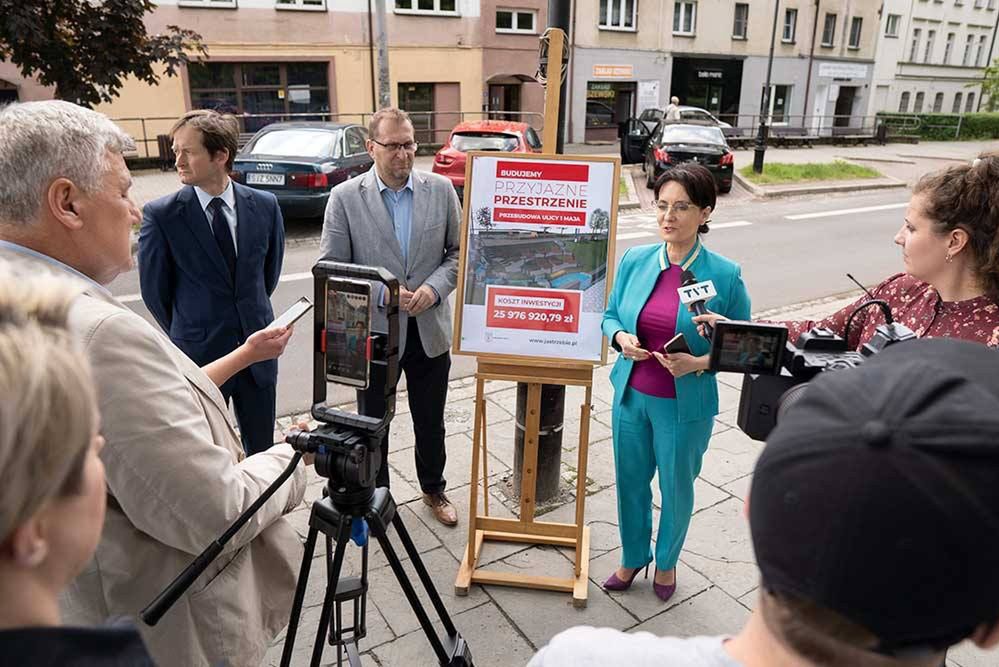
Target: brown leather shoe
441 507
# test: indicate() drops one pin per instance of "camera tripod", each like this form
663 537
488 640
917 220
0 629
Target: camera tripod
333 516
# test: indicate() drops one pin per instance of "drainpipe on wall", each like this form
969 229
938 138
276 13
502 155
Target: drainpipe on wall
371 58
811 57
989 61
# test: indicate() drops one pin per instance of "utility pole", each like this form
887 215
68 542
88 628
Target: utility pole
811 57
761 136
552 410
384 85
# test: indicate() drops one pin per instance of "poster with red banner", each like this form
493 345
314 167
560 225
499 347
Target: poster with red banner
536 255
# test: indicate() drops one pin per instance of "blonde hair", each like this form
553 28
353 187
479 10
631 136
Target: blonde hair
48 404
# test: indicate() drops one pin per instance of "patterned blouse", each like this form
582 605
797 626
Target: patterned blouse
918 306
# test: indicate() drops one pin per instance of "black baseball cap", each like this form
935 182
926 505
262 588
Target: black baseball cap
877 494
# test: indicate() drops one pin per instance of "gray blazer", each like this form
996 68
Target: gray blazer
358 230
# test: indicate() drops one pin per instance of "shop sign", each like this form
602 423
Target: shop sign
843 70
613 71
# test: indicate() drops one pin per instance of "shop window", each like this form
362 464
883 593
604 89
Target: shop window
272 89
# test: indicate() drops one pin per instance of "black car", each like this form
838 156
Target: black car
672 143
300 163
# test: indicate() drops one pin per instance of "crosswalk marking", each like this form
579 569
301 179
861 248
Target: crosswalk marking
845 211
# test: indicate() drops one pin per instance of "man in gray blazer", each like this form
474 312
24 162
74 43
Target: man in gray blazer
407 222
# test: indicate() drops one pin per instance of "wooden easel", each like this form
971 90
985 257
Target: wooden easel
482 527
525 529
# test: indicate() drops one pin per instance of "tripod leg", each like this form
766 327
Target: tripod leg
421 571
407 587
296 607
342 536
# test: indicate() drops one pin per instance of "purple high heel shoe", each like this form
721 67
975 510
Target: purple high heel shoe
615 583
664 591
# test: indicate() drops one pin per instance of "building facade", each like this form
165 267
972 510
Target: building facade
932 55
448 60
714 54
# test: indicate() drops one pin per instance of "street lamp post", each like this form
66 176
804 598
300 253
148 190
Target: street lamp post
761 136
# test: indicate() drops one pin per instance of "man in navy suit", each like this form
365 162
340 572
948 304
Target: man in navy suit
209 258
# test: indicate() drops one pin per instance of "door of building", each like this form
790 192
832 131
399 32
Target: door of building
844 106
417 99
504 97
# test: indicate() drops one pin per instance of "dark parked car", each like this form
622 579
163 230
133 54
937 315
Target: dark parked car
301 162
673 143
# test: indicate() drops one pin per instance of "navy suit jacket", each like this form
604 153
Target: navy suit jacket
185 282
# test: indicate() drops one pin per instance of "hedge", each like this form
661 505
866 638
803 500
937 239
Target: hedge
944 126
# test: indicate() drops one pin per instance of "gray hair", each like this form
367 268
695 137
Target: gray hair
43 141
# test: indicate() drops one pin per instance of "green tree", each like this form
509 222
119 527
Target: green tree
990 85
86 49
600 220
484 217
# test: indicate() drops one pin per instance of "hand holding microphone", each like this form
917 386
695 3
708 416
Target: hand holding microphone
694 294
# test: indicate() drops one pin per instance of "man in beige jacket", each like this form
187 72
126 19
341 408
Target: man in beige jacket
176 474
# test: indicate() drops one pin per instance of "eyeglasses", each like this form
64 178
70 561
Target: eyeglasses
409 146
678 207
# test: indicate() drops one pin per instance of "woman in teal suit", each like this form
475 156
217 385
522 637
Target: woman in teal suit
664 404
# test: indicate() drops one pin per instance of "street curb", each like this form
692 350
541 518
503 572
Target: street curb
946 158
875 159
631 201
771 191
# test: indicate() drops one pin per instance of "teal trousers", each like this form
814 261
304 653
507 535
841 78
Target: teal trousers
648 438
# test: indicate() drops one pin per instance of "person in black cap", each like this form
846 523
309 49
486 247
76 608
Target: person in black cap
874 513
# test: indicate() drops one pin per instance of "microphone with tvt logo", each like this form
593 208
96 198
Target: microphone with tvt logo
694 294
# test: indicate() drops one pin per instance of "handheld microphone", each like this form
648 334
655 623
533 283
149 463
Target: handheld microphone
694 294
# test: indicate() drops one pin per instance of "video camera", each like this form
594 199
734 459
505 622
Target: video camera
776 372
347 447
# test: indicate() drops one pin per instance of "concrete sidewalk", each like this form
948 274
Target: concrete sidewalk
717 576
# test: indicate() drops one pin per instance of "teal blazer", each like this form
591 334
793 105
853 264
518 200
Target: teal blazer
696 394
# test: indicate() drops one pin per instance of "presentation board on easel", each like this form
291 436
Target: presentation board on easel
537 250
535 268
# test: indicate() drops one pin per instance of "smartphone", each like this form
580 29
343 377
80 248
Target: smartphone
293 314
676 344
347 330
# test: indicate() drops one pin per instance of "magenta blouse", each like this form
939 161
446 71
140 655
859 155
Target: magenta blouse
656 325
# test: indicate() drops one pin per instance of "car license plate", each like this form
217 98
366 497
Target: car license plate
264 179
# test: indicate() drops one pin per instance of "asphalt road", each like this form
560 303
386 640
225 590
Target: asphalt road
785 260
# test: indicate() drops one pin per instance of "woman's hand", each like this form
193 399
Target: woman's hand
681 363
631 347
708 318
267 343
